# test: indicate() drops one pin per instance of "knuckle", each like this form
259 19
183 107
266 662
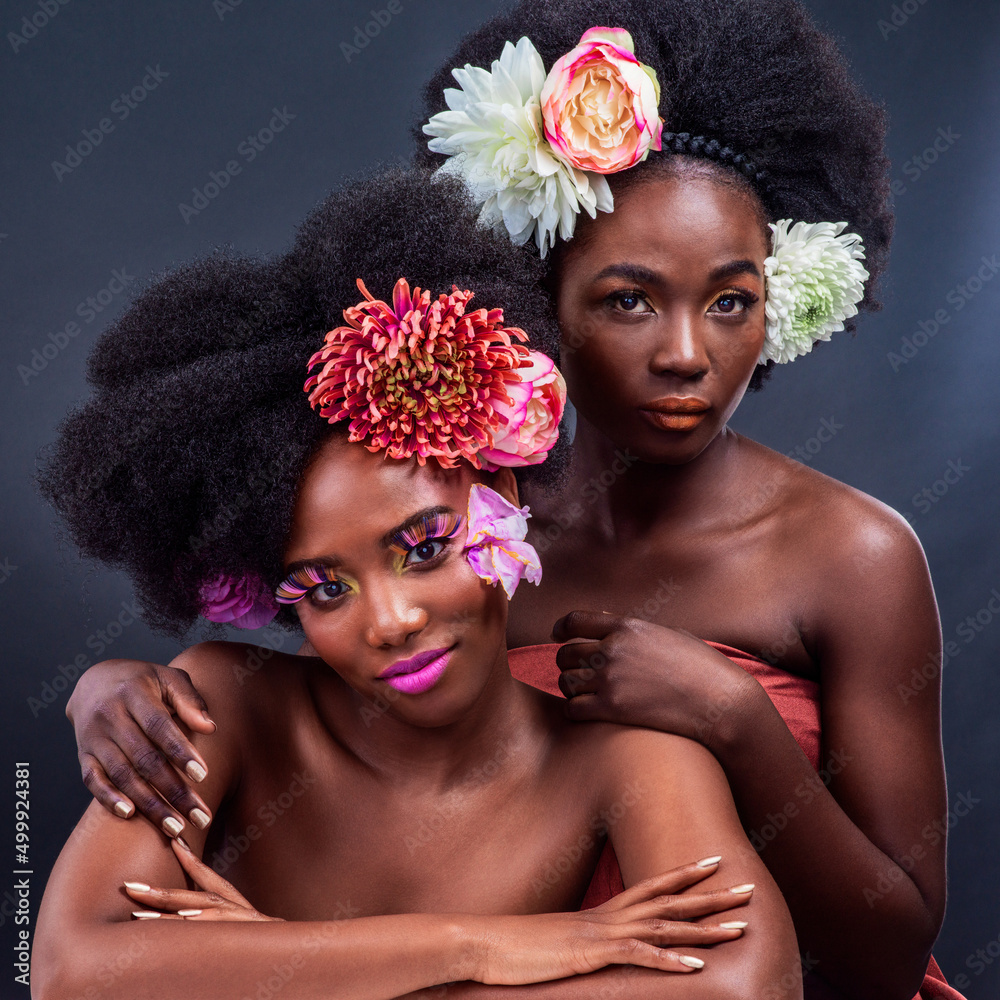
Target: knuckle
121 774
157 725
149 761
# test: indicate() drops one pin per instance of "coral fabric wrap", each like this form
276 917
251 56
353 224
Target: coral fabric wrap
797 701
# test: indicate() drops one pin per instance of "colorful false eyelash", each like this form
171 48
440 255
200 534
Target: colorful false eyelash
439 525
299 582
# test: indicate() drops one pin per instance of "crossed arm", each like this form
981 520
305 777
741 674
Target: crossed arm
86 936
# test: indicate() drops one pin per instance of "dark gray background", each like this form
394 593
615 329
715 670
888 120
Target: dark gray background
225 67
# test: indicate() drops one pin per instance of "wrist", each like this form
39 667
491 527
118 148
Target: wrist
468 947
730 720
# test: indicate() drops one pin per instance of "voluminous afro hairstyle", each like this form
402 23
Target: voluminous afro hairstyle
754 84
184 464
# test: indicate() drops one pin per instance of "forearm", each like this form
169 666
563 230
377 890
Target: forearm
374 958
858 915
739 982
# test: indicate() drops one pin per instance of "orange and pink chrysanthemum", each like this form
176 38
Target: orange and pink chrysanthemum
419 377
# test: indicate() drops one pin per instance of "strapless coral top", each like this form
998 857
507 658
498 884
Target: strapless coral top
797 701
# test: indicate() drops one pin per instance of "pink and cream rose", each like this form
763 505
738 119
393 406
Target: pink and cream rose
529 424
600 105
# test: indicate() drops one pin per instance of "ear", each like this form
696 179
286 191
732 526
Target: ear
505 483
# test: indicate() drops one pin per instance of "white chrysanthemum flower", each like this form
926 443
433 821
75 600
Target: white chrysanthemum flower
815 281
494 136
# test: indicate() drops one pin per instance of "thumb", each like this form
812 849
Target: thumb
183 698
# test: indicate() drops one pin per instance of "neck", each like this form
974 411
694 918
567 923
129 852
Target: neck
628 495
470 749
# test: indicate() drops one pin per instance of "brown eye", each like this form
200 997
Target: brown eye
729 304
631 302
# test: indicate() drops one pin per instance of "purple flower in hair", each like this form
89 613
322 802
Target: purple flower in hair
241 601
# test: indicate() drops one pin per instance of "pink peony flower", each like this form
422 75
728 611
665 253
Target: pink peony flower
531 420
495 547
240 601
600 105
419 377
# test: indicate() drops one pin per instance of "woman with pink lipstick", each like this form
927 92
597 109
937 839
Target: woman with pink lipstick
400 810
704 181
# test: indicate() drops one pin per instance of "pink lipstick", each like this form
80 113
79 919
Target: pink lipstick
418 673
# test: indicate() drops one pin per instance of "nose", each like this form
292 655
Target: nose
681 347
392 616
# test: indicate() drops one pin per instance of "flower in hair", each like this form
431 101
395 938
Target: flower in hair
600 105
531 420
815 280
420 376
494 135
495 548
241 601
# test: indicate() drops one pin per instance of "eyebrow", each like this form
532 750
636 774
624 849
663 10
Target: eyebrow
733 268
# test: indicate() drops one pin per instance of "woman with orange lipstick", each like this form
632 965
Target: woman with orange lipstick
394 537
710 190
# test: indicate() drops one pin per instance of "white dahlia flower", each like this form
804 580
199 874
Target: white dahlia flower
815 281
494 136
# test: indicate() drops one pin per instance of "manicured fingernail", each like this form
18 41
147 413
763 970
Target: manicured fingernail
692 963
172 826
200 818
146 914
749 887
708 862
184 844
124 809
734 925
208 718
137 886
188 913
195 771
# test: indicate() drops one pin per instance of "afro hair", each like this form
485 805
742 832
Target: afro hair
185 462
752 85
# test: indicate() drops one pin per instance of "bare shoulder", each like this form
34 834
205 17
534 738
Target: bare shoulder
838 528
236 679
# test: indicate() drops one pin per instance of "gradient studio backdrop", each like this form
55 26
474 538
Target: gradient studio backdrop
905 411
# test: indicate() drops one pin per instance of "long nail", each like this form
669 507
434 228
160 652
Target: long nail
188 913
749 887
146 914
124 809
734 925
172 826
195 771
208 719
200 818
137 886
184 844
709 862
691 962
